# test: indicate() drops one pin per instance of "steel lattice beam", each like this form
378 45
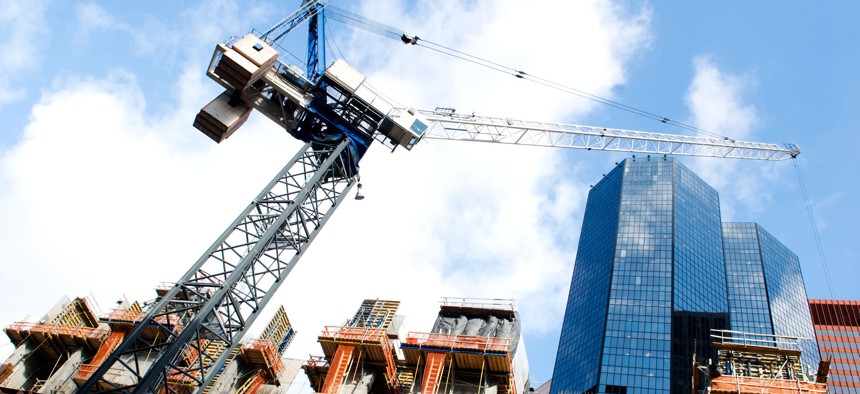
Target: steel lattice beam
451 126
217 300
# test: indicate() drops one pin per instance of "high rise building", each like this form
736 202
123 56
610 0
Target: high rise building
837 327
650 282
765 287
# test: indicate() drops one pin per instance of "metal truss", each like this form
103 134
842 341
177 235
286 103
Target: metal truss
447 125
188 335
307 10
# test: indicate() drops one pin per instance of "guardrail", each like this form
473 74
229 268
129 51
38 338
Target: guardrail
481 303
81 332
458 342
360 334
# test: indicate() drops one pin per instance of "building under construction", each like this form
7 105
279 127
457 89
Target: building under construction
59 352
756 363
474 346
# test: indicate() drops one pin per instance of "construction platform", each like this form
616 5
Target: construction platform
752 363
472 339
75 342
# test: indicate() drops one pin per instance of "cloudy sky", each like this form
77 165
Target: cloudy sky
106 189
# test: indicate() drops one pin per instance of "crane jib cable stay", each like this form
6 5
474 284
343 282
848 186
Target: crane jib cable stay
370 25
201 320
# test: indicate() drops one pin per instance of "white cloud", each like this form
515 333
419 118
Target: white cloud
717 103
147 36
91 16
107 197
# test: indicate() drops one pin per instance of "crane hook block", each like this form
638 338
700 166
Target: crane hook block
407 39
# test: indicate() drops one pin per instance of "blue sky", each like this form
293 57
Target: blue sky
106 189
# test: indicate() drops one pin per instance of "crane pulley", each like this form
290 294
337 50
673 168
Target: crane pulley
338 116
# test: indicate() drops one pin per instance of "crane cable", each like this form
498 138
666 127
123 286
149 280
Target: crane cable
370 25
841 319
815 233
330 35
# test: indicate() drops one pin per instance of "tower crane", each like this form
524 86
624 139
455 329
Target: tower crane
338 116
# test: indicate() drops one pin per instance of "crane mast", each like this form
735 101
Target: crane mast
218 299
338 117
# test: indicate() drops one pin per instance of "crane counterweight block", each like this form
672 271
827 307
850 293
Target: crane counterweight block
219 119
246 61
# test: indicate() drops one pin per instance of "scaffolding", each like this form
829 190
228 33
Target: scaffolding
754 363
76 342
425 362
72 328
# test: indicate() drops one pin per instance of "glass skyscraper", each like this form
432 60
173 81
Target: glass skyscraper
651 281
766 292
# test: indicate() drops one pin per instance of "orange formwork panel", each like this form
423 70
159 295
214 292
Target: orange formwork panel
255 384
18 331
353 334
433 372
458 342
262 354
86 370
340 363
728 384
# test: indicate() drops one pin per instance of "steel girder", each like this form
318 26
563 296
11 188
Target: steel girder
451 126
217 300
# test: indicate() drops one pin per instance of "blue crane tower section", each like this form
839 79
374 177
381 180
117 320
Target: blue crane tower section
322 111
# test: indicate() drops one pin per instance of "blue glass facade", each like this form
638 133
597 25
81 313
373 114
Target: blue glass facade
578 358
637 340
749 309
651 280
765 287
787 295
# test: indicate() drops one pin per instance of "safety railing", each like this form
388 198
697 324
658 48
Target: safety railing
266 348
87 370
481 303
358 334
756 339
52 329
126 316
317 361
458 342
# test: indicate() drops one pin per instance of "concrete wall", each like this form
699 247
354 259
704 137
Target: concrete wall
61 380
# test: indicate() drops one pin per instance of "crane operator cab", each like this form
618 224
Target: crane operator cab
402 126
339 104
